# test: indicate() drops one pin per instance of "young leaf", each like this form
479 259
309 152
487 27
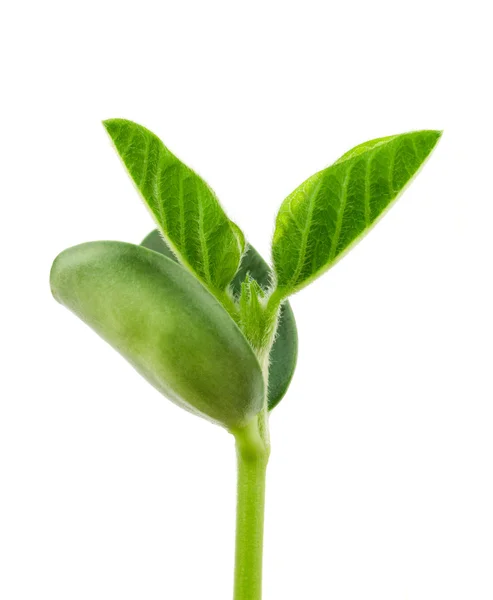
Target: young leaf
253 317
334 208
284 351
184 207
166 324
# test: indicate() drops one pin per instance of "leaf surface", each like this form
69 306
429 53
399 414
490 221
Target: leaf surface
284 351
184 207
166 324
334 208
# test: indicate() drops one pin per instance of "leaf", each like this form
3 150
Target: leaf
284 352
184 207
166 324
328 213
253 318
283 356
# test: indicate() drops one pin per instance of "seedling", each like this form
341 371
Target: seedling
199 313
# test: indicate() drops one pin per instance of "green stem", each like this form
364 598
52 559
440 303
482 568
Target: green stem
252 455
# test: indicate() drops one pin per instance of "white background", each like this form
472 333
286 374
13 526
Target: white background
381 477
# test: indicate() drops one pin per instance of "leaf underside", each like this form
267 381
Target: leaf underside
184 207
331 210
284 352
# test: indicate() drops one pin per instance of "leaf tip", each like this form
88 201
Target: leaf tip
437 133
112 124
434 137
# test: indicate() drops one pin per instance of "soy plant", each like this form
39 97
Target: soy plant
197 311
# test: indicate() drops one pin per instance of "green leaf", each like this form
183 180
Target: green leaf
328 213
283 356
284 352
166 324
184 207
253 318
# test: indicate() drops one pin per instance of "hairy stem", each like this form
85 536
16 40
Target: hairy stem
252 458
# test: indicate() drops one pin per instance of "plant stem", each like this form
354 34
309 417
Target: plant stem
252 456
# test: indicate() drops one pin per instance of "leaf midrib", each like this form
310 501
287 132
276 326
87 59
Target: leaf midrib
340 215
305 233
203 241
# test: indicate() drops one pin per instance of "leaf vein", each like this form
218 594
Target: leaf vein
181 206
203 242
340 214
305 233
366 197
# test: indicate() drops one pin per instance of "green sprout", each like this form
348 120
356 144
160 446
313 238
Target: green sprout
197 311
